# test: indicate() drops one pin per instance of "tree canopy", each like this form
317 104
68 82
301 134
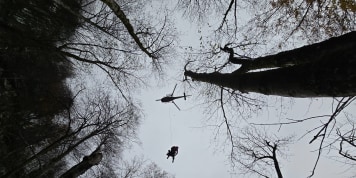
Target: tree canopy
52 122
254 51
62 63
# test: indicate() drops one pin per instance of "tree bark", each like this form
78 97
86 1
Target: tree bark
84 165
305 54
275 161
328 70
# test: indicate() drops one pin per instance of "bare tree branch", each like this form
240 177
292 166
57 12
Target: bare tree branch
226 13
342 104
115 7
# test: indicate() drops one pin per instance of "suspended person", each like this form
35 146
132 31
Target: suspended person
173 152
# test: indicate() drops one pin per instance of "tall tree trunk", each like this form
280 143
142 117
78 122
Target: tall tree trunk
332 75
59 157
275 162
88 161
305 54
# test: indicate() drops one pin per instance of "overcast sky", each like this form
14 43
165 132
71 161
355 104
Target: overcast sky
201 153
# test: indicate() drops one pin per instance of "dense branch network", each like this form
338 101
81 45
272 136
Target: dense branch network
258 153
325 129
347 143
121 15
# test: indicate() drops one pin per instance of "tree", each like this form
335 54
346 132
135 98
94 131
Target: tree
138 167
38 108
239 40
88 161
309 19
116 39
258 153
321 69
152 171
93 121
29 99
120 41
313 19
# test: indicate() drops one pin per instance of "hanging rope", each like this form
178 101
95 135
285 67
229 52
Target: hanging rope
170 126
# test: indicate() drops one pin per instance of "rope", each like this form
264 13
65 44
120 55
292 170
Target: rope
183 86
170 127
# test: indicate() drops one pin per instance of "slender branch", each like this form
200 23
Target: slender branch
115 7
300 22
319 154
293 121
226 121
97 62
226 13
115 83
342 104
348 139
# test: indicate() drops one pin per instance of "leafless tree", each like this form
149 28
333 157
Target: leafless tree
258 153
313 19
120 39
91 120
219 68
138 167
283 70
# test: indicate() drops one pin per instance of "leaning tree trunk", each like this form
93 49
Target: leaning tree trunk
84 165
333 74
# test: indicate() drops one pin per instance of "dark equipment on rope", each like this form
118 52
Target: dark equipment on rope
172 153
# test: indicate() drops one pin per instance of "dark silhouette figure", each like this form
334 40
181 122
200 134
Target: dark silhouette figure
173 152
170 98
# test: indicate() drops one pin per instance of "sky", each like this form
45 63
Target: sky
202 155
201 152
164 126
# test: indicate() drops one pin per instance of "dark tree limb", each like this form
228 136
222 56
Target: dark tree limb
324 69
348 139
274 158
226 13
302 55
342 104
227 122
115 7
233 59
88 161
